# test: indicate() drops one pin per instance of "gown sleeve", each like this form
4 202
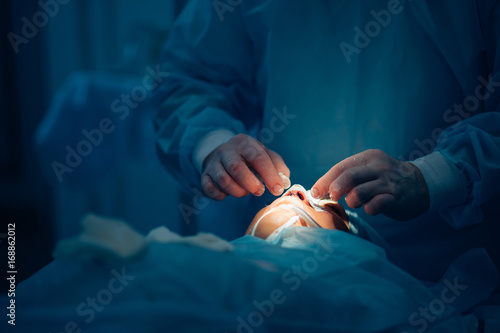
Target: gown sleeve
209 86
464 170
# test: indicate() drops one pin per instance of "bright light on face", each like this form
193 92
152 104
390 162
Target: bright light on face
286 212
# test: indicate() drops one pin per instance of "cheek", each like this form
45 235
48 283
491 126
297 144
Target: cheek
324 219
330 221
255 219
272 222
268 225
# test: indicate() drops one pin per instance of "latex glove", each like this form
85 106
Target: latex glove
384 185
234 168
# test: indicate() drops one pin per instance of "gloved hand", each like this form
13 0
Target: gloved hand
384 185
234 167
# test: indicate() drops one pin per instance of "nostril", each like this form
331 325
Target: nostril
299 194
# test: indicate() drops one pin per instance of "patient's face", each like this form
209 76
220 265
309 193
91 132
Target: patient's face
332 216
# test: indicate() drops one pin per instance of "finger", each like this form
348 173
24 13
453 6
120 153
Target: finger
379 204
347 180
279 163
242 175
282 168
322 186
364 192
210 189
225 182
258 158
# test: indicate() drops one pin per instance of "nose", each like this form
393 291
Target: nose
298 194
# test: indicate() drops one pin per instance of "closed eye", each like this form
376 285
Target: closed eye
337 209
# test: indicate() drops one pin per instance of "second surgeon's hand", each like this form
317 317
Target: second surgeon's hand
384 185
230 169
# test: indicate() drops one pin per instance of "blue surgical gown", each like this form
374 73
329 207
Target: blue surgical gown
343 77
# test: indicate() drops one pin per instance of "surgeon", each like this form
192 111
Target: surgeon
392 106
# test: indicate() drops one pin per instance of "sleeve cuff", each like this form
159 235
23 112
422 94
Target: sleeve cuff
444 181
207 144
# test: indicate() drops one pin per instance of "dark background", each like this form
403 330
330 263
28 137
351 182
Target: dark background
87 36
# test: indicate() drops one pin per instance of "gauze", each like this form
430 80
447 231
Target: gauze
317 204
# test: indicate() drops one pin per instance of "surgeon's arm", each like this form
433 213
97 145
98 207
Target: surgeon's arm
463 172
209 97
456 179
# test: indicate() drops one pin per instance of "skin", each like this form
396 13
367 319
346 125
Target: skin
373 179
232 169
384 185
331 218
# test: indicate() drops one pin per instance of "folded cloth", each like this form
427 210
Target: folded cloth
206 240
113 239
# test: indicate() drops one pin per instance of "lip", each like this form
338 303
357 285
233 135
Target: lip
290 199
